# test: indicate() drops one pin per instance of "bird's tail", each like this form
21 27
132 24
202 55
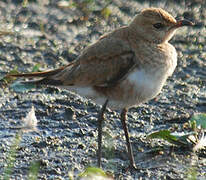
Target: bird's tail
41 78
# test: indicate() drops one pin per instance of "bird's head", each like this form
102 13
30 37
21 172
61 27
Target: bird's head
156 25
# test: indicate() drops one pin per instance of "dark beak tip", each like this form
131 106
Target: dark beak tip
185 23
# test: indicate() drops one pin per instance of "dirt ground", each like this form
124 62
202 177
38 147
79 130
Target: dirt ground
51 35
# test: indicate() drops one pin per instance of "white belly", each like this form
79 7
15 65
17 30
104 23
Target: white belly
147 84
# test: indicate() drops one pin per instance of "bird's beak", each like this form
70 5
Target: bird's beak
184 22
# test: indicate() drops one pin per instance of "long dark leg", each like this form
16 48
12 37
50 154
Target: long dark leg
100 120
129 147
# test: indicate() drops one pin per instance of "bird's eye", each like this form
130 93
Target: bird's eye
158 25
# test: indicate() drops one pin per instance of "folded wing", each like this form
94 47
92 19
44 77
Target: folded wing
102 64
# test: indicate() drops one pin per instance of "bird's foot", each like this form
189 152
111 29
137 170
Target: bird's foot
132 167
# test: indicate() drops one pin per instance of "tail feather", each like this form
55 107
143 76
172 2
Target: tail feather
40 74
42 78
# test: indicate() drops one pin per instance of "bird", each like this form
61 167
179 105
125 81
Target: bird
122 69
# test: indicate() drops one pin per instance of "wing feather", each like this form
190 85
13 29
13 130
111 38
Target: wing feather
104 63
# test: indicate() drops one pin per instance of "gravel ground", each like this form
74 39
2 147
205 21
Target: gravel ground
48 34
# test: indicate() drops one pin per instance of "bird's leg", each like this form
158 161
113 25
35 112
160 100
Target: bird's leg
100 120
129 147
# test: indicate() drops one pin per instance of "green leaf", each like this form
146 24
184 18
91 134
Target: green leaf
180 139
36 67
192 173
11 157
7 79
106 12
193 125
24 3
90 171
166 135
198 119
33 170
183 137
162 134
